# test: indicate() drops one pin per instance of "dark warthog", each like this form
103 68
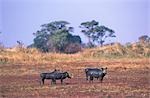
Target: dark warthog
44 76
95 73
87 71
55 76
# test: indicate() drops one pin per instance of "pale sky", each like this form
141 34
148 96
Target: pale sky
20 18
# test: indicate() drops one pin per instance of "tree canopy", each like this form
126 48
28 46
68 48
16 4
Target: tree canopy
96 33
55 37
144 38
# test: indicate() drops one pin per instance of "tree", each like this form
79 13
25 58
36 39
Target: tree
20 44
40 41
54 37
95 33
88 29
59 40
144 38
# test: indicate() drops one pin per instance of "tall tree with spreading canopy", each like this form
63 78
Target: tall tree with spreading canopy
144 38
54 37
96 33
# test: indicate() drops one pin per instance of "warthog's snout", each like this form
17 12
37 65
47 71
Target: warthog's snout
69 77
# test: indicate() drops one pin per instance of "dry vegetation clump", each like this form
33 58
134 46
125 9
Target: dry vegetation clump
136 50
106 51
141 48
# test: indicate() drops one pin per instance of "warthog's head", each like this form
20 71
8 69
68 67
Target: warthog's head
104 70
67 75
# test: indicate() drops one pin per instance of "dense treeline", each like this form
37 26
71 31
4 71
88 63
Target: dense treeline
57 36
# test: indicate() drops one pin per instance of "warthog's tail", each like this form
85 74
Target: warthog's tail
86 70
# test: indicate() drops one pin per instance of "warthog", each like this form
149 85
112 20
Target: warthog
87 71
95 73
44 76
54 76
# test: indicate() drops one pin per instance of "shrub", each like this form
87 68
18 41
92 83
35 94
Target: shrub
73 48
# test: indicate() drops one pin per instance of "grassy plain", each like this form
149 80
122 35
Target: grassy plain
128 75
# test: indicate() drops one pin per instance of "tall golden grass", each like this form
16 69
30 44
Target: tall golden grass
34 56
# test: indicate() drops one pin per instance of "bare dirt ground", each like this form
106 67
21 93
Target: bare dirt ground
128 79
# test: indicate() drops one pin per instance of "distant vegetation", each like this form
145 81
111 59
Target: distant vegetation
55 42
110 51
95 33
57 36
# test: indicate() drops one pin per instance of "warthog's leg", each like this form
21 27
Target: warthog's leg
102 79
86 77
42 81
61 81
53 81
86 74
91 79
99 78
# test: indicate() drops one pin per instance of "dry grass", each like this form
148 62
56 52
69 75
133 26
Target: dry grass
33 56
